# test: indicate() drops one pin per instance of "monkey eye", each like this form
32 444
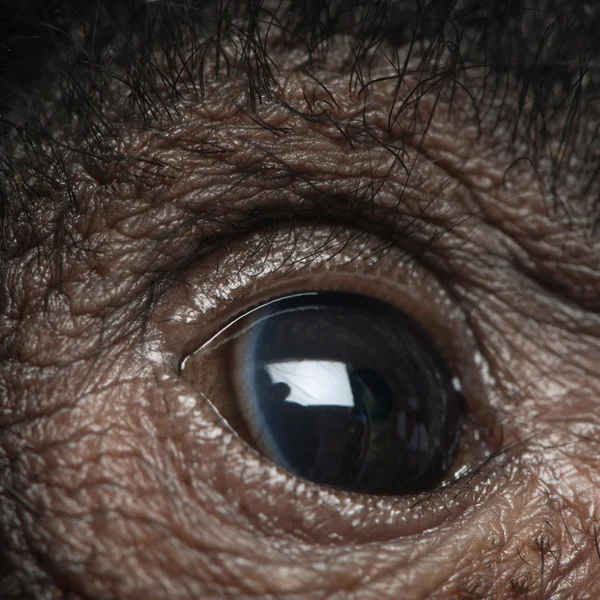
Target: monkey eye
343 390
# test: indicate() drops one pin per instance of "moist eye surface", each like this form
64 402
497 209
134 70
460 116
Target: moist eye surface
346 391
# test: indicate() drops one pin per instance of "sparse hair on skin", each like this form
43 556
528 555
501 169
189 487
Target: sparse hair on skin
75 74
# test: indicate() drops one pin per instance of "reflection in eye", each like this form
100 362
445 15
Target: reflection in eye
343 390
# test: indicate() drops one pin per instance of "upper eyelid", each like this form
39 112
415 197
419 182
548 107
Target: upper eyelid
172 251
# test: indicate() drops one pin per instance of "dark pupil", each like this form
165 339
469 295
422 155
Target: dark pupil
348 391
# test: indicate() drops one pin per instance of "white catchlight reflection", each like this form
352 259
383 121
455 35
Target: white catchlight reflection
314 382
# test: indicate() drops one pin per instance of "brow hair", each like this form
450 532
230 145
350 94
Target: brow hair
539 55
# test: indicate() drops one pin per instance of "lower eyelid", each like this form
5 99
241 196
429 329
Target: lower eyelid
280 506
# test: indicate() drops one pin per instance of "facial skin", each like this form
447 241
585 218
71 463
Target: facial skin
160 181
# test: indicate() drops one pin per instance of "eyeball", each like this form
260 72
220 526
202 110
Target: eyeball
344 390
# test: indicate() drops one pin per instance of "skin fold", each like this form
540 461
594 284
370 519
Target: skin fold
135 231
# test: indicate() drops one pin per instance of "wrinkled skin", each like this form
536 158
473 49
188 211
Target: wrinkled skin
122 479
